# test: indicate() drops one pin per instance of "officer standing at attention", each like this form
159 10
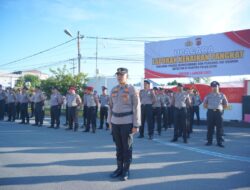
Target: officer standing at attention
157 111
11 100
147 98
55 103
104 101
180 101
73 103
39 103
18 104
85 107
124 119
215 102
24 102
166 102
196 101
2 103
92 104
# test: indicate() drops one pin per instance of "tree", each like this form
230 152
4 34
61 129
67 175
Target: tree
63 79
173 83
199 79
30 80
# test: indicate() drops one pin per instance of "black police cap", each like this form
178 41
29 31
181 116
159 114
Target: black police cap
147 81
122 70
214 84
155 88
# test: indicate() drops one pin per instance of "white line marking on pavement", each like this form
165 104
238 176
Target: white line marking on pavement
207 152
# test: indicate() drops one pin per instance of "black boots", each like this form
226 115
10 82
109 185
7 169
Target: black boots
118 171
125 172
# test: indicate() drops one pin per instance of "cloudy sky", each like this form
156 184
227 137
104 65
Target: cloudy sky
31 26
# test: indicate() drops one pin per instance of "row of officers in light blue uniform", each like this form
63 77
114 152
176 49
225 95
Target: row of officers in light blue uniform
125 112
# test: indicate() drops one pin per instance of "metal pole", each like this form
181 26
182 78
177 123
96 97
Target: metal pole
96 57
79 55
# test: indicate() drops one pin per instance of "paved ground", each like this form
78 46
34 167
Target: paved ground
34 158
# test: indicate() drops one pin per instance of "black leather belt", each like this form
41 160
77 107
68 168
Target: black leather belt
214 110
122 114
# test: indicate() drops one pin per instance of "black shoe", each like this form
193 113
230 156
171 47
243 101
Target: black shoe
118 171
125 176
99 128
174 140
40 125
21 123
185 141
159 134
220 145
86 131
35 125
50 126
57 127
140 136
75 129
208 144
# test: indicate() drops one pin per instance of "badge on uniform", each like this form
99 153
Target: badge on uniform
125 97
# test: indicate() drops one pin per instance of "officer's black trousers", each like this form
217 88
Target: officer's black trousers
32 108
103 115
189 120
73 117
165 116
123 141
11 111
170 115
24 112
214 118
147 115
180 127
55 115
39 115
91 118
85 115
196 111
2 108
157 117
18 110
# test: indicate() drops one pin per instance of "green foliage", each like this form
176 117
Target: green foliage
173 83
63 79
28 79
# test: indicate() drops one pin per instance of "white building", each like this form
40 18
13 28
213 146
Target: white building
9 79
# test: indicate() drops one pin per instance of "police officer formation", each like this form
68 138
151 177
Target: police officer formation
125 111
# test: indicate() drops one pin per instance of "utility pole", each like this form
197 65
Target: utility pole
78 47
79 55
96 58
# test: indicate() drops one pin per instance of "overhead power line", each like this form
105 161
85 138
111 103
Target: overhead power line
38 53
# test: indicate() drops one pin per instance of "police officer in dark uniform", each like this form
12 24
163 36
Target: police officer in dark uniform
147 98
104 101
157 111
85 107
11 100
18 104
39 103
73 103
180 101
24 102
196 102
2 103
215 102
55 103
124 119
92 103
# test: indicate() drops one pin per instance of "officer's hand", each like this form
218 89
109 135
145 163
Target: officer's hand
135 130
110 127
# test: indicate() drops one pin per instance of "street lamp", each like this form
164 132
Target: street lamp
78 47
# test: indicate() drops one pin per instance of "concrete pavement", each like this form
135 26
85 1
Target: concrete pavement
33 158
